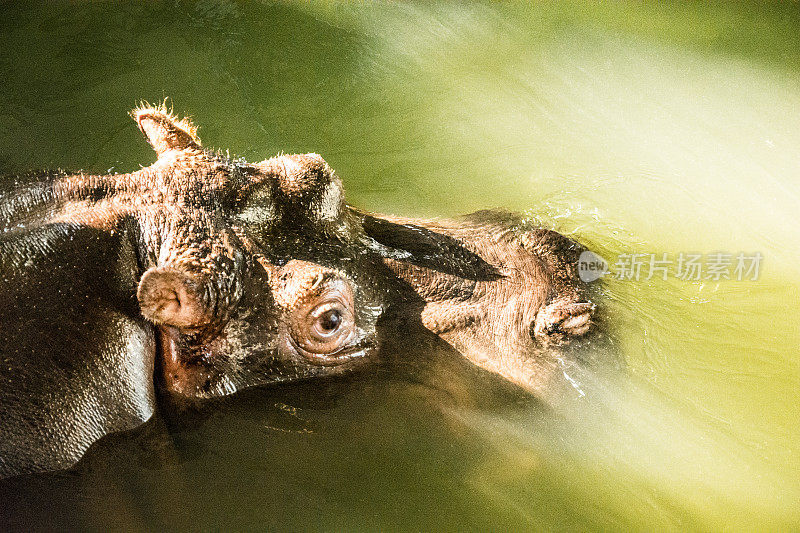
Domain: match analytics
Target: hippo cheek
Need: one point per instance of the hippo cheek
(176, 375)
(358, 351)
(184, 373)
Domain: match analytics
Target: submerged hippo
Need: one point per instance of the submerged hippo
(207, 274)
(106, 279)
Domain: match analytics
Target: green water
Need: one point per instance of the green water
(637, 129)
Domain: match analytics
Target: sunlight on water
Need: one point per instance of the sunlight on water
(636, 147)
(636, 130)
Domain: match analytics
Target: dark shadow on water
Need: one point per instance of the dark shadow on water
(319, 454)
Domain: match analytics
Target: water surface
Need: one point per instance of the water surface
(636, 129)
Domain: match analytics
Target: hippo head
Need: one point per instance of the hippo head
(503, 293)
(257, 274)
(268, 275)
(295, 321)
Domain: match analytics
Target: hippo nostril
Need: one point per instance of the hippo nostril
(571, 319)
(576, 324)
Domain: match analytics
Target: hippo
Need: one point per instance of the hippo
(108, 280)
(202, 275)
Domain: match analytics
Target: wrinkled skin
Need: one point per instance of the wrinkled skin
(216, 274)
(519, 302)
(110, 279)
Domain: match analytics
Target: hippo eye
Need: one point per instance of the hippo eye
(324, 324)
(329, 321)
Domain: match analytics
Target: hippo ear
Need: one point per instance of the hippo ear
(164, 131)
(173, 298)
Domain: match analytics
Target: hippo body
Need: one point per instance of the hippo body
(77, 354)
(202, 275)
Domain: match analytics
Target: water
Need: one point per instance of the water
(636, 129)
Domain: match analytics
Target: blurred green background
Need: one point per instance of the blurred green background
(635, 128)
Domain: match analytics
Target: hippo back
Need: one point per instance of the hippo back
(76, 360)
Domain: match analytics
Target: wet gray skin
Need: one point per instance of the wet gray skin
(216, 275)
(110, 279)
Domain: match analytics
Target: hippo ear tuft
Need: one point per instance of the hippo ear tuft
(165, 131)
(172, 298)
